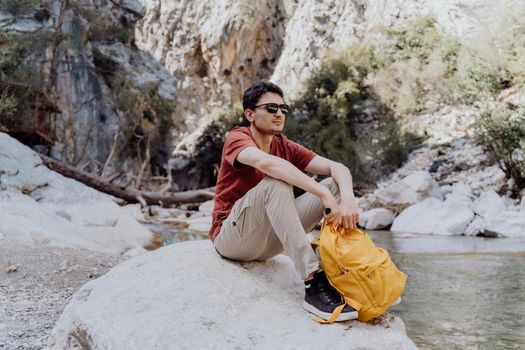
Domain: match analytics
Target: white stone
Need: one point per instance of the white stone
(444, 128)
(201, 224)
(462, 189)
(505, 224)
(377, 218)
(432, 216)
(489, 204)
(41, 206)
(411, 189)
(133, 5)
(134, 210)
(135, 252)
(207, 207)
(185, 296)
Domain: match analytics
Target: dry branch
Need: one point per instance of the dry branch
(129, 195)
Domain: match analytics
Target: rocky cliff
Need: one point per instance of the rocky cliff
(215, 49)
(136, 81)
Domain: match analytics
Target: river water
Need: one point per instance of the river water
(462, 292)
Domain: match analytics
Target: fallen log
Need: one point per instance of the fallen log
(129, 195)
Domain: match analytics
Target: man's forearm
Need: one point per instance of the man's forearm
(342, 176)
(283, 170)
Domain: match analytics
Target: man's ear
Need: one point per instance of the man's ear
(248, 113)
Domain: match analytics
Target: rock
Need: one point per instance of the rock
(201, 224)
(463, 189)
(489, 204)
(185, 296)
(207, 207)
(505, 224)
(41, 206)
(411, 189)
(432, 216)
(12, 269)
(452, 124)
(135, 211)
(134, 6)
(377, 218)
(135, 252)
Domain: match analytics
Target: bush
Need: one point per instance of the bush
(340, 118)
(20, 75)
(502, 133)
(8, 104)
(18, 7)
(208, 149)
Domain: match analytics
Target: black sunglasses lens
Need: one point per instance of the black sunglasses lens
(285, 109)
(272, 107)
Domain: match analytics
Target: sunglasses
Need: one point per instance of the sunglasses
(273, 107)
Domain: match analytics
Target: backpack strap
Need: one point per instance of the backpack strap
(337, 312)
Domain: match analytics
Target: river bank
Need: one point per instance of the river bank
(36, 283)
(462, 292)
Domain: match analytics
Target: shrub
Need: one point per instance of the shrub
(18, 7)
(208, 148)
(338, 117)
(8, 105)
(502, 133)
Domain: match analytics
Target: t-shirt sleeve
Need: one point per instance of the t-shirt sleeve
(235, 143)
(300, 156)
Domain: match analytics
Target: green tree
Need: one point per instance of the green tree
(502, 133)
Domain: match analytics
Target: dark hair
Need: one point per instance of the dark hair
(253, 93)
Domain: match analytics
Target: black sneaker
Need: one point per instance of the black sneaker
(321, 299)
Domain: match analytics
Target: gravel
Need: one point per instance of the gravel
(36, 284)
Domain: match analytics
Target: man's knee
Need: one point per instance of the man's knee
(277, 187)
(331, 185)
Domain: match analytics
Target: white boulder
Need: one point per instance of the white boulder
(200, 224)
(207, 207)
(411, 189)
(376, 218)
(506, 224)
(432, 216)
(185, 296)
(489, 204)
(41, 206)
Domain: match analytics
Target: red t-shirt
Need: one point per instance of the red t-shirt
(234, 181)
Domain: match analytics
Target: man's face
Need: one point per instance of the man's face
(264, 121)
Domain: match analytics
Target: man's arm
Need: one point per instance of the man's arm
(281, 169)
(348, 215)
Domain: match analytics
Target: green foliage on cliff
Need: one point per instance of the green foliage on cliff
(502, 133)
(21, 78)
(18, 7)
(209, 145)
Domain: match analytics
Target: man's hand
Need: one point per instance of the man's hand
(345, 214)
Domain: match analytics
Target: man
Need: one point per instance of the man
(256, 216)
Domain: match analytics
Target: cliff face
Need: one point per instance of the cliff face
(215, 49)
(124, 67)
(88, 68)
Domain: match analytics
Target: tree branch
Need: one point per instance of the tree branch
(131, 196)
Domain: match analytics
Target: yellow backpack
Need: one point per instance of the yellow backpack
(364, 274)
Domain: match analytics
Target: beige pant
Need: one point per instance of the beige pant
(268, 219)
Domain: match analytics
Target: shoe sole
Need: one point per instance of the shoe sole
(346, 316)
